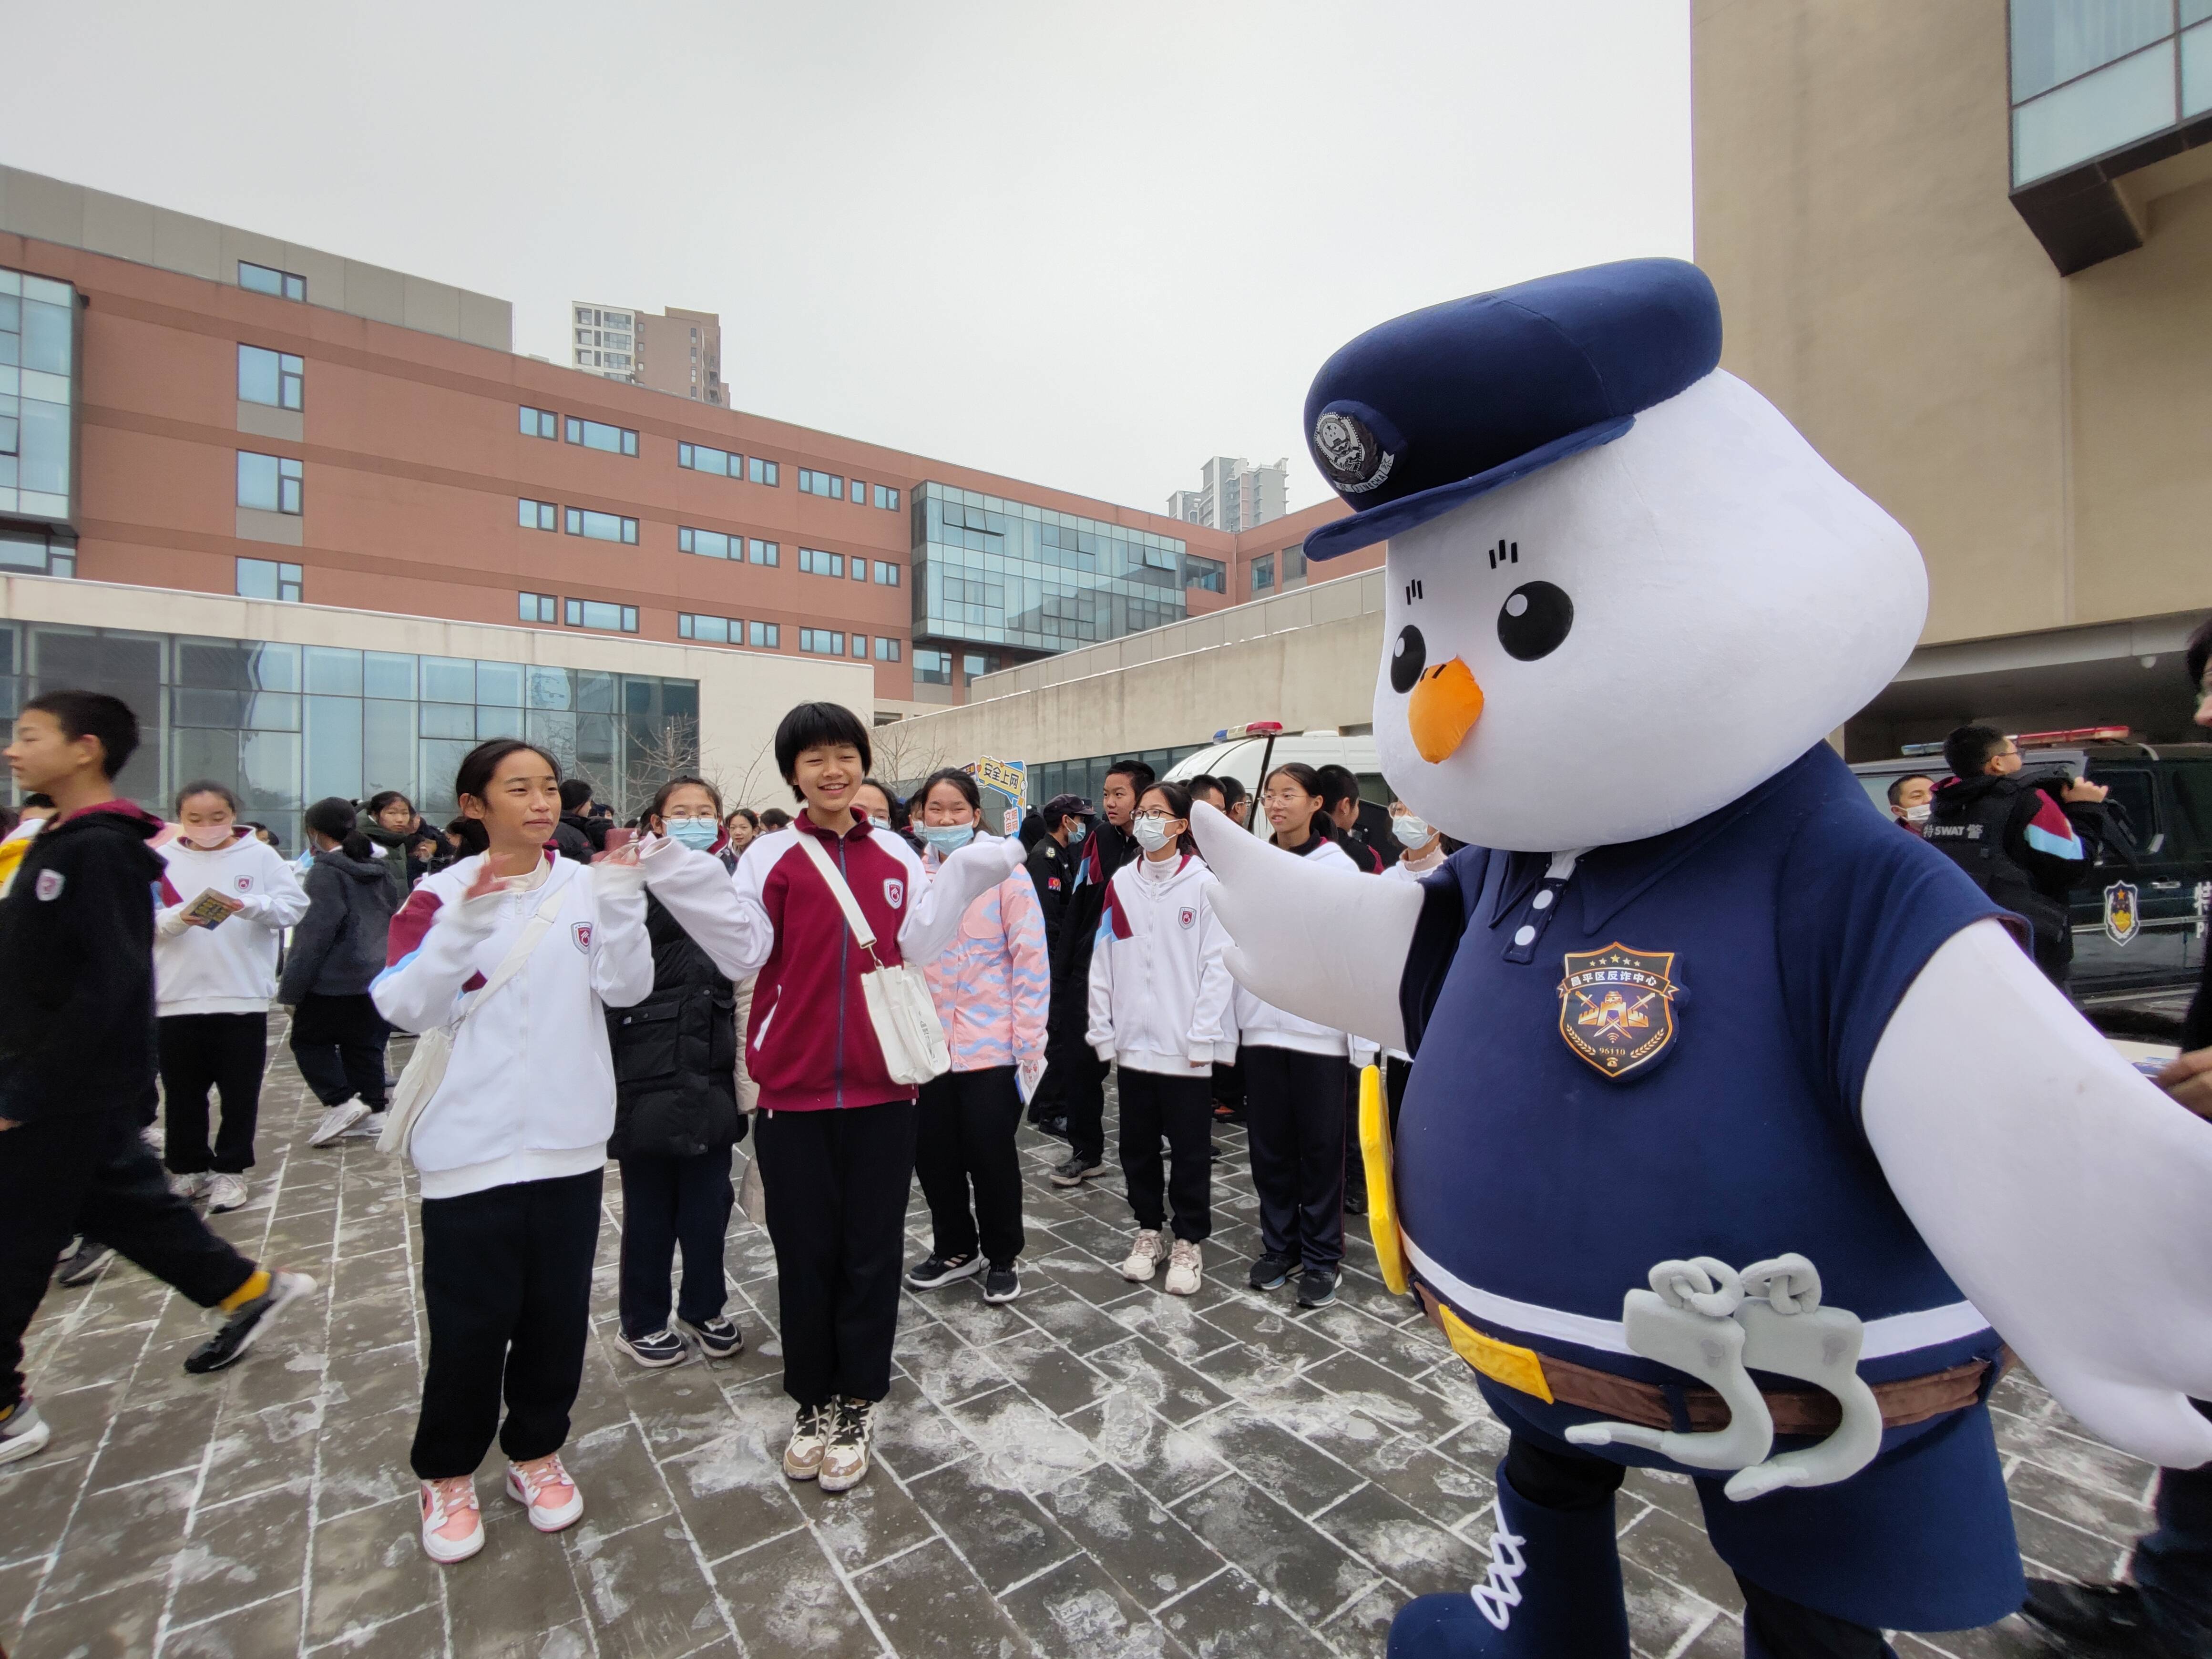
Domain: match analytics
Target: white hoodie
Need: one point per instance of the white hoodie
(1262, 1024)
(1159, 990)
(231, 967)
(529, 1094)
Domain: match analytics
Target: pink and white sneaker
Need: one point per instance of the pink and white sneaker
(546, 1491)
(452, 1524)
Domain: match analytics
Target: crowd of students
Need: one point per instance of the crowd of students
(651, 995)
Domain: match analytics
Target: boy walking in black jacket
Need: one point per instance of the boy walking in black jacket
(77, 1056)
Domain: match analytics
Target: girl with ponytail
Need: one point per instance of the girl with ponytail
(337, 1036)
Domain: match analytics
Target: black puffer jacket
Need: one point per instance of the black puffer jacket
(675, 1053)
(338, 947)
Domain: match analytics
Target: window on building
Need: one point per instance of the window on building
(932, 667)
(815, 562)
(266, 579)
(601, 526)
(276, 378)
(709, 543)
(271, 483)
(887, 498)
(821, 483)
(887, 574)
(860, 646)
(263, 279)
(761, 552)
(973, 663)
(597, 434)
(710, 630)
(887, 649)
(701, 458)
(859, 569)
(765, 636)
(762, 472)
(822, 641)
(536, 515)
(1294, 562)
(1210, 575)
(537, 608)
(1263, 574)
(539, 422)
(600, 615)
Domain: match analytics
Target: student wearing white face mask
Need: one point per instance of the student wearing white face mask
(225, 899)
(1160, 1009)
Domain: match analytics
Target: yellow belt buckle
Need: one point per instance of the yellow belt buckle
(1375, 1150)
(1501, 1362)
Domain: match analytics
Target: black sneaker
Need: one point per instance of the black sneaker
(1355, 1199)
(84, 1265)
(656, 1351)
(1271, 1272)
(1002, 1284)
(243, 1328)
(2102, 1618)
(1316, 1288)
(942, 1270)
(1077, 1170)
(717, 1338)
(1214, 1150)
(1054, 1126)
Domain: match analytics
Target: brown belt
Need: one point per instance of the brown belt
(1800, 1412)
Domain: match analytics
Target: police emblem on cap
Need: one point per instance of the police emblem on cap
(1617, 1006)
(1352, 452)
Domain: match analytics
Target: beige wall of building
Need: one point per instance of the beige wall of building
(2047, 439)
(1307, 657)
(741, 693)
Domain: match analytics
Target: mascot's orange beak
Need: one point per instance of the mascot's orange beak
(1445, 705)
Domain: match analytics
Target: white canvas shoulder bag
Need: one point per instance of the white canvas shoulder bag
(899, 1005)
(434, 1050)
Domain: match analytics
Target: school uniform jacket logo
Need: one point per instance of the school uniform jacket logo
(894, 891)
(49, 884)
(1188, 916)
(245, 884)
(581, 932)
(1617, 1006)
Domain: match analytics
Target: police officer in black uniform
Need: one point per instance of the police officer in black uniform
(1066, 820)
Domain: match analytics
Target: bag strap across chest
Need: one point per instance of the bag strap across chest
(863, 934)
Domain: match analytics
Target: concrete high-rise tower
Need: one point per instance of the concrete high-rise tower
(1234, 494)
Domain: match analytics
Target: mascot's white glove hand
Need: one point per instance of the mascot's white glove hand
(1327, 945)
(2065, 1194)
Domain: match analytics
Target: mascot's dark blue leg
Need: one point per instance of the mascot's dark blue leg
(1554, 1587)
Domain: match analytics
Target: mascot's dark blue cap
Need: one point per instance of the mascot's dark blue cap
(1433, 408)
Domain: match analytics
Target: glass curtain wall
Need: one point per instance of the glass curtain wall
(993, 571)
(2089, 76)
(287, 725)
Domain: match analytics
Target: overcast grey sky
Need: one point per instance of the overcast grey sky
(1088, 245)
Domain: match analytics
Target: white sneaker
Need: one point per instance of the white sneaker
(337, 1121)
(451, 1502)
(540, 1492)
(225, 1193)
(845, 1460)
(189, 1187)
(367, 1129)
(1184, 1265)
(1144, 1254)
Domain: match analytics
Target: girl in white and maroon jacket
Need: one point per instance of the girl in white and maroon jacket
(1297, 1081)
(213, 980)
(835, 1136)
(511, 1147)
(1160, 1008)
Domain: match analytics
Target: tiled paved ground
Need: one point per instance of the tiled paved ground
(1094, 1470)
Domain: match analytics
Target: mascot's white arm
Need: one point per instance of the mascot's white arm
(2069, 1197)
(1325, 945)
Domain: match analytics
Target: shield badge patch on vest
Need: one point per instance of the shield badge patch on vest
(2123, 916)
(1617, 1006)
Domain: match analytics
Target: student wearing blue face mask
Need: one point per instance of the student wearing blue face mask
(677, 1117)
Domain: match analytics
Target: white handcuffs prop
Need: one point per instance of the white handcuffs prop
(1702, 1317)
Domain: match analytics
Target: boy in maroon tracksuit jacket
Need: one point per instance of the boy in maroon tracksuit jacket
(835, 1134)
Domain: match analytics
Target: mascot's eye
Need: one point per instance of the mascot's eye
(1533, 621)
(1409, 659)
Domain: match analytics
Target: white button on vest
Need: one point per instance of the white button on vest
(1526, 936)
(1541, 902)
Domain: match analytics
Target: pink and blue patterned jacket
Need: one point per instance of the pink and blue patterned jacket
(994, 984)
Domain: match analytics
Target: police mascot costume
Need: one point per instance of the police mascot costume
(1743, 1136)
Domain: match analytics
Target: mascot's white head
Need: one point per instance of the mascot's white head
(1622, 589)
